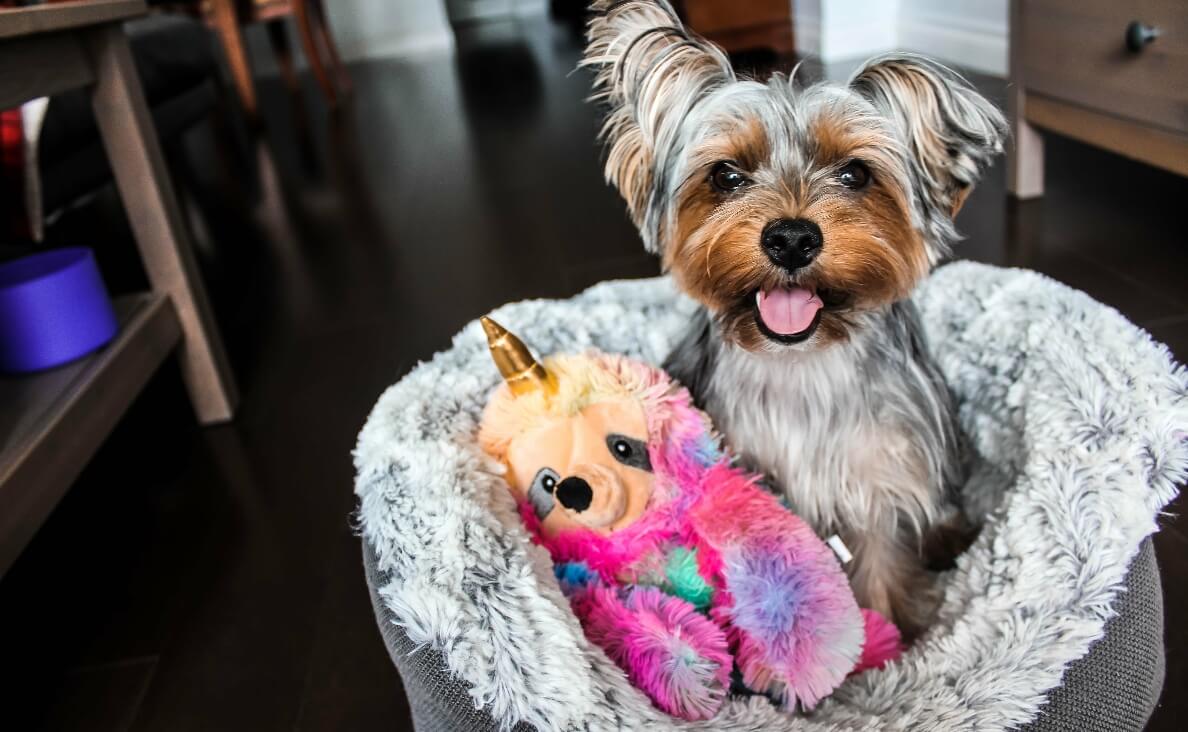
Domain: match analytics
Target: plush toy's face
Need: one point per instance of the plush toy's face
(587, 470)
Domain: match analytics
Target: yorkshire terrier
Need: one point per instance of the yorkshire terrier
(802, 219)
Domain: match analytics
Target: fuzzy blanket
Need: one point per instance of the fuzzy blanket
(1079, 420)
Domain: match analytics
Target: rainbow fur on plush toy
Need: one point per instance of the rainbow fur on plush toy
(678, 565)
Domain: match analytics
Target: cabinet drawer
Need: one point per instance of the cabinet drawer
(1075, 51)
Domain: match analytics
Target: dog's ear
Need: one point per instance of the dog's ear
(651, 71)
(950, 130)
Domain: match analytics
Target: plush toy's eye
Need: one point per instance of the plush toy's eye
(540, 494)
(548, 480)
(629, 451)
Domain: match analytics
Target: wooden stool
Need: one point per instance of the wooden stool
(52, 422)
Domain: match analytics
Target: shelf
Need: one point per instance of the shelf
(15, 22)
(52, 422)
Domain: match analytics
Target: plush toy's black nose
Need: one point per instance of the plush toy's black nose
(575, 494)
(792, 243)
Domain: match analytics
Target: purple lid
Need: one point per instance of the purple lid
(54, 308)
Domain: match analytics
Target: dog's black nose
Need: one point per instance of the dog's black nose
(792, 243)
(575, 494)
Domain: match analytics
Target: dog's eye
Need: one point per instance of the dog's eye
(726, 178)
(854, 175)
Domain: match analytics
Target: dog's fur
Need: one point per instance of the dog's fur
(854, 424)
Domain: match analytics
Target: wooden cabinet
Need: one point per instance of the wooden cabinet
(1111, 74)
(738, 26)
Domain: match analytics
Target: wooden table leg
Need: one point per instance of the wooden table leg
(1025, 155)
(223, 16)
(340, 72)
(1025, 161)
(305, 18)
(278, 35)
(161, 235)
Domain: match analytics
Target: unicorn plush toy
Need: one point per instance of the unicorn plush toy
(678, 564)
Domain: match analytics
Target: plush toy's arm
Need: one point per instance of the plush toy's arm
(793, 622)
(678, 657)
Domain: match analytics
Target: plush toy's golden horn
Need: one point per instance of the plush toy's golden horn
(520, 370)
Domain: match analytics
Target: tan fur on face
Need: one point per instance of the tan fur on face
(872, 253)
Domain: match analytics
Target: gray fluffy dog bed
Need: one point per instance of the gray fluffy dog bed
(1080, 423)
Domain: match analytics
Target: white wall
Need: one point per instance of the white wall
(970, 33)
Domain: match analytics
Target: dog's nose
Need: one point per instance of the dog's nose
(792, 243)
(575, 494)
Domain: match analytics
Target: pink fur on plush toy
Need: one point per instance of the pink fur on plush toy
(678, 564)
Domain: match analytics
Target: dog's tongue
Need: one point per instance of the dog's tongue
(788, 311)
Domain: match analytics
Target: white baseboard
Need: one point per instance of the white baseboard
(467, 11)
(980, 47)
(421, 44)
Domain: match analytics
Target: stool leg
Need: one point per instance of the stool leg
(226, 22)
(324, 32)
(142, 179)
(278, 36)
(309, 42)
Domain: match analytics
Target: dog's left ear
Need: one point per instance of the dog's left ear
(950, 130)
(651, 72)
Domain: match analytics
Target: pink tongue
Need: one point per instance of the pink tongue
(788, 311)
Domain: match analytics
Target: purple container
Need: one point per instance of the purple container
(53, 309)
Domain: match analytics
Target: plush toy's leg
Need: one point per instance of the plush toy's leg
(787, 648)
(678, 657)
(793, 622)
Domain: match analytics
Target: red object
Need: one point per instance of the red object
(14, 219)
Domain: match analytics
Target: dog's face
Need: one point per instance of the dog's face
(793, 211)
(785, 211)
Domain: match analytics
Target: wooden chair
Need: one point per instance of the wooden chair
(227, 18)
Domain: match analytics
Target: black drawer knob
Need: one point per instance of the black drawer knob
(1139, 34)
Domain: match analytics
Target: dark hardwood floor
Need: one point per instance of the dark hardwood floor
(209, 579)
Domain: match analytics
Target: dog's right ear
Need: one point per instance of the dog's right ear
(651, 71)
(951, 131)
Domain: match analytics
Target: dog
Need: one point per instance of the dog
(801, 219)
